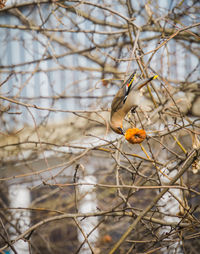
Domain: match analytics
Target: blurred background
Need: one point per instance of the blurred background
(67, 181)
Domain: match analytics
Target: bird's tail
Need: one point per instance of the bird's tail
(143, 82)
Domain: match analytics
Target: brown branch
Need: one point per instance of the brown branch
(48, 109)
(182, 169)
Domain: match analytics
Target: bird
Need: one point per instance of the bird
(126, 99)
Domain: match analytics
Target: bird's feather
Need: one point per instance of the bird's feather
(118, 102)
(122, 94)
(129, 84)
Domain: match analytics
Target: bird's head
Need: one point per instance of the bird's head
(117, 127)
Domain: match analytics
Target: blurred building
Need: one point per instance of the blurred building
(44, 66)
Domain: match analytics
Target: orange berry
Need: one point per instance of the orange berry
(107, 238)
(135, 135)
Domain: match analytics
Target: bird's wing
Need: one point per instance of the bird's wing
(122, 94)
(117, 102)
(128, 84)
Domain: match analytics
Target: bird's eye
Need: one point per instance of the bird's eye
(121, 130)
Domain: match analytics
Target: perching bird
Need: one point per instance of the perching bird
(127, 98)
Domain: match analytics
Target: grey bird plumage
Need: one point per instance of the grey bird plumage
(127, 98)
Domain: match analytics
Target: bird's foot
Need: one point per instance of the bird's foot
(133, 110)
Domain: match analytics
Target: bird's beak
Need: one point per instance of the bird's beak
(121, 130)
